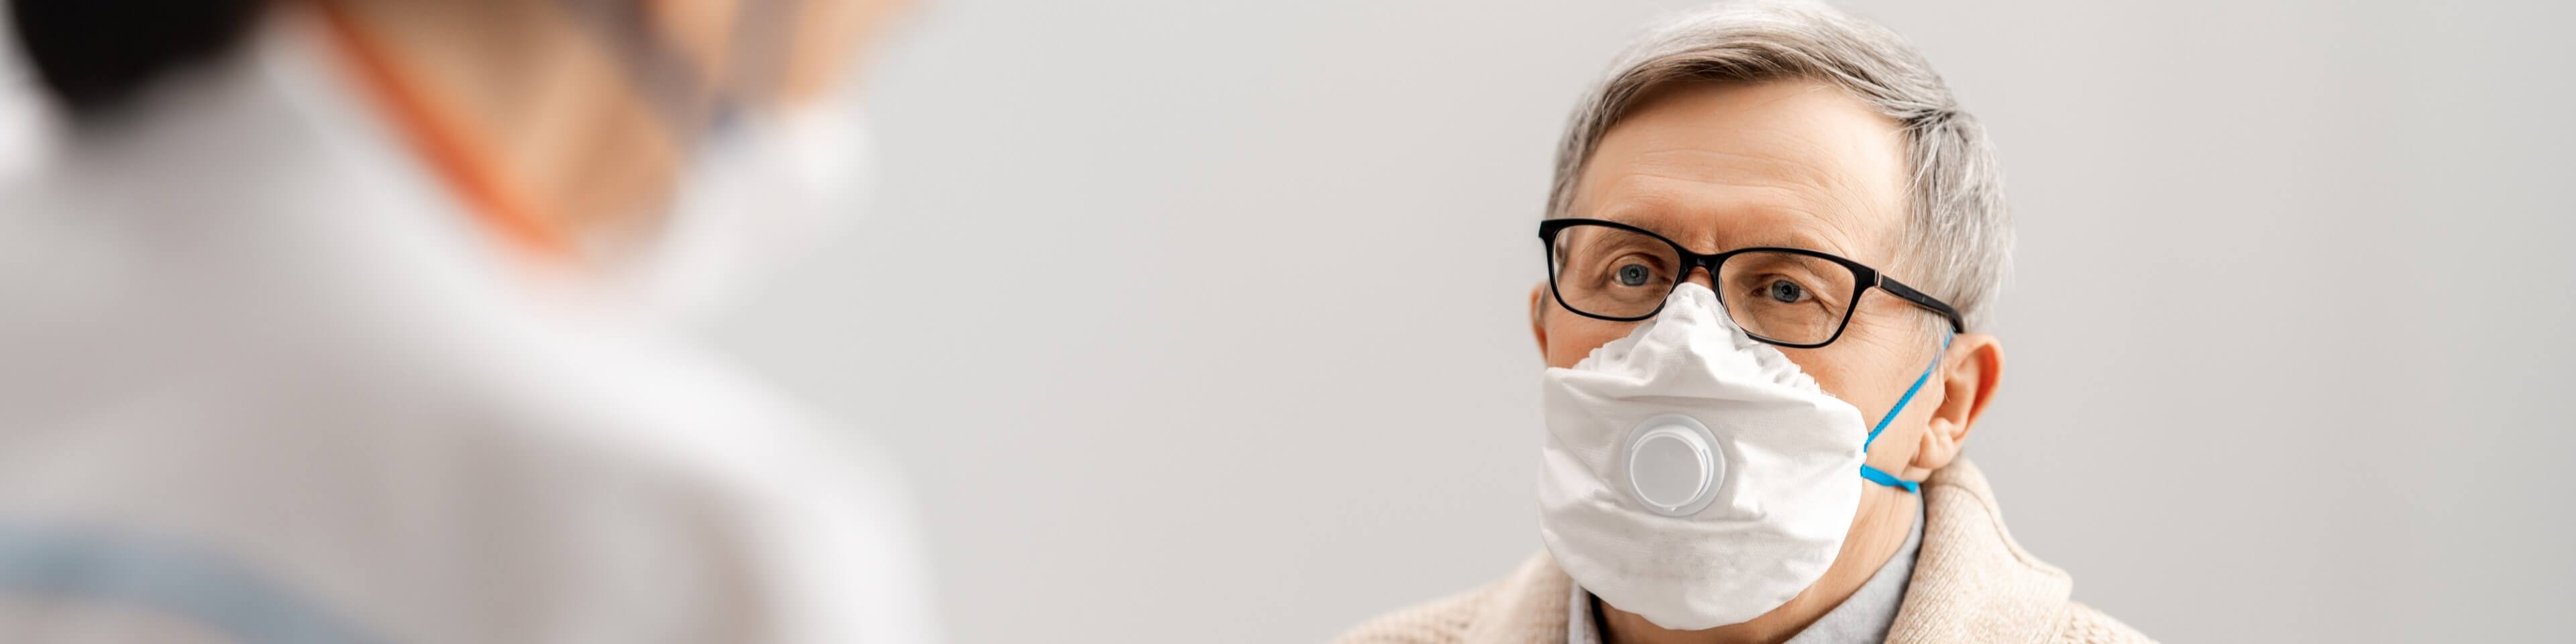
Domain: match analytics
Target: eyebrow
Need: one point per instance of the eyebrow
(1600, 241)
(1799, 238)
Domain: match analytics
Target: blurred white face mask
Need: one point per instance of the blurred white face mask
(1693, 475)
(763, 190)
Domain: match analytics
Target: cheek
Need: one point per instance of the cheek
(1824, 365)
(1867, 376)
(1877, 356)
(1571, 338)
(1855, 372)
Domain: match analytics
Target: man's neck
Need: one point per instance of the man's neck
(1886, 516)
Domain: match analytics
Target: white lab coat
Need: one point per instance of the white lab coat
(262, 379)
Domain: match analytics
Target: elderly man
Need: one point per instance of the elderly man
(1773, 244)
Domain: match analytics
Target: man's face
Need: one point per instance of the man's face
(1718, 167)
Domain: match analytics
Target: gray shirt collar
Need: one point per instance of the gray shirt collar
(1862, 619)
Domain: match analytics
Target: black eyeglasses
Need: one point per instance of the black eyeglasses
(1790, 297)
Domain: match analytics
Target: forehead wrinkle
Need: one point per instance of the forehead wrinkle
(1754, 209)
(1797, 144)
(1836, 197)
(1796, 151)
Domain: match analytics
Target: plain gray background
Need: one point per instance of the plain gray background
(1205, 321)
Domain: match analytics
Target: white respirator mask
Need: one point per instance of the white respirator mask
(1695, 476)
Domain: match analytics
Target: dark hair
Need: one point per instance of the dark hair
(94, 56)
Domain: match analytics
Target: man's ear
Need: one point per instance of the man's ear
(1969, 373)
(1538, 317)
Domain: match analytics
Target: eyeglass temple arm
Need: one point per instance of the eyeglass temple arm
(1907, 293)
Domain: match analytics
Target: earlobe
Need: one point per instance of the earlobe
(1970, 373)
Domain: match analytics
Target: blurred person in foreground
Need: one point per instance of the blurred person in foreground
(1773, 245)
(363, 321)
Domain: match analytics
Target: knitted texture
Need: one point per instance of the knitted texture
(2087, 626)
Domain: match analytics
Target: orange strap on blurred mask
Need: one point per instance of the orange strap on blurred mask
(462, 158)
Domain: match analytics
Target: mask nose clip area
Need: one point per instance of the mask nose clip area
(1673, 465)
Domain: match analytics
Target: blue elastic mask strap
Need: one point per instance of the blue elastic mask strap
(1874, 474)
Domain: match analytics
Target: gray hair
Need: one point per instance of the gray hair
(1958, 234)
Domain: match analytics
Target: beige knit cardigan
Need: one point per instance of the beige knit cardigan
(1971, 583)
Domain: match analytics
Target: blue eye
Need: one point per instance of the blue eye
(1634, 275)
(1785, 291)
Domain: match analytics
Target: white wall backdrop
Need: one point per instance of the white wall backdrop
(1204, 321)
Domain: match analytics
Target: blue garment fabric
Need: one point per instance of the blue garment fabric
(105, 567)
